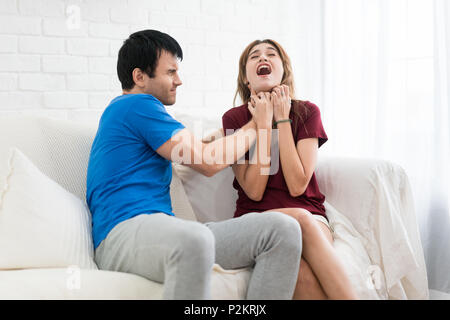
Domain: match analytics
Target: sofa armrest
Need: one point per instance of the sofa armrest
(376, 197)
(350, 186)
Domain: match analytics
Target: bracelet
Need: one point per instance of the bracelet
(284, 120)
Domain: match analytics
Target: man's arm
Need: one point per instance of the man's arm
(208, 158)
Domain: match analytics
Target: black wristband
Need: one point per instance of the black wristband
(284, 120)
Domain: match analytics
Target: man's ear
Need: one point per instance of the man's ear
(138, 77)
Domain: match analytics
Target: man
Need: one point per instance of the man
(128, 182)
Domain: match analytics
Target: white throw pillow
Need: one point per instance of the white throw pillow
(180, 202)
(212, 199)
(41, 224)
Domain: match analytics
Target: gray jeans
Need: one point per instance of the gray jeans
(181, 253)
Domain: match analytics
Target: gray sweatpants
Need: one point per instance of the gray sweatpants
(181, 253)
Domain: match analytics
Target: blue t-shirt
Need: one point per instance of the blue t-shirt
(126, 176)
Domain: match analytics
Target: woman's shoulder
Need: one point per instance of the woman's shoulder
(306, 103)
(236, 117)
(237, 112)
(306, 107)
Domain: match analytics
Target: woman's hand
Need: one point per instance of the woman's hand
(281, 102)
(261, 108)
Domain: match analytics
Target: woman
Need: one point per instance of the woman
(265, 81)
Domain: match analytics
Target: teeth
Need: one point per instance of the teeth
(261, 67)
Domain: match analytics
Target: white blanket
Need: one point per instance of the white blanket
(376, 197)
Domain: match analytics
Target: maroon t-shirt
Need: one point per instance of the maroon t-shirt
(277, 194)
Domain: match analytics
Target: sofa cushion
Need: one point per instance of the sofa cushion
(59, 148)
(212, 198)
(73, 284)
(86, 284)
(41, 223)
(181, 206)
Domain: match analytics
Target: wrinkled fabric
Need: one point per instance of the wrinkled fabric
(382, 211)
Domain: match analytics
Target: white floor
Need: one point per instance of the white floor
(438, 295)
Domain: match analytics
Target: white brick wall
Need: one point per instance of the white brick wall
(54, 64)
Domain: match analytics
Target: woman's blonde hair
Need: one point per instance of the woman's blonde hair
(242, 85)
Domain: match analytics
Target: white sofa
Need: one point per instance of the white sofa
(369, 205)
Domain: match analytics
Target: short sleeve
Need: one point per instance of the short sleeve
(312, 127)
(233, 120)
(230, 125)
(150, 120)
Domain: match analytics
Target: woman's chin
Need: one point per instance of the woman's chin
(265, 88)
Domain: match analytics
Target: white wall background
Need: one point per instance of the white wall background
(58, 57)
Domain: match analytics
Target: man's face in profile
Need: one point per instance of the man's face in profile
(163, 86)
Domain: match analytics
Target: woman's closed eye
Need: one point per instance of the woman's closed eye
(269, 55)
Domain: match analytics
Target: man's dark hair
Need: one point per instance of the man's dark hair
(142, 50)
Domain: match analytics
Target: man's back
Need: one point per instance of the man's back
(126, 176)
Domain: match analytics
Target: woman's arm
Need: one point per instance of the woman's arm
(297, 162)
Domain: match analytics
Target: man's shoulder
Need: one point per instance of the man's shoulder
(141, 98)
(137, 105)
(135, 99)
(130, 109)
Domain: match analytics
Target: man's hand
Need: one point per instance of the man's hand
(281, 102)
(261, 108)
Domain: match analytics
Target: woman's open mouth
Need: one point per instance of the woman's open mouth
(263, 69)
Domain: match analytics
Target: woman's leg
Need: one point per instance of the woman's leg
(308, 286)
(321, 257)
